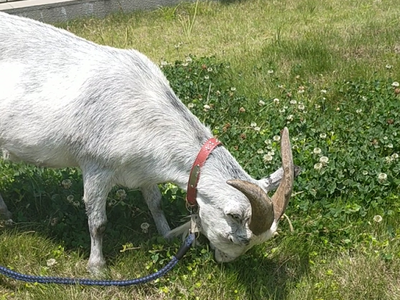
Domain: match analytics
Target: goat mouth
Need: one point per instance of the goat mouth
(238, 240)
(222, 257)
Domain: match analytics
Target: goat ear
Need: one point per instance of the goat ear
(271, 182)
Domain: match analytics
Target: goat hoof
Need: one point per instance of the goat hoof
(5, 215)
(97, 270)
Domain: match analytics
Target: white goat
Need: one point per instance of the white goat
(65, 101)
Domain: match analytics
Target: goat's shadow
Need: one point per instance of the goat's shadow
(269, 278)
(261, 277)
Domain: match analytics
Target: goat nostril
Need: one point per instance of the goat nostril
(231, 239)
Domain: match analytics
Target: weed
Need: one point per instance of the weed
(188, 21)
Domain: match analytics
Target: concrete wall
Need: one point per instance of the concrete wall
(54, 11)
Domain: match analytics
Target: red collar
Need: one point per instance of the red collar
(194, 176)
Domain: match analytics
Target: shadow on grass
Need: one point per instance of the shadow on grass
(270, 278)
(231, 1)
(65, 224)
(53, 217)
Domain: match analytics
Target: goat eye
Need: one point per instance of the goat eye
(235, 217)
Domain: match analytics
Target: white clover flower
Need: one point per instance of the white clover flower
(301, 106)
(206, 77)
(121, 194)
(390, 145)
(317, 150)
(188, 59)
(363, 98)
(185, 64)
(267, 142)
(190, 105)
(112, 202)
(233, 89)
(293, 102)
(145, 227)
(337, 108)
(267, 158)
(271, 152)
(260, 151)
(322, 135)
(324, 160)
(276, 138)
(261, 103)
(253, 124)
(276, 100)
(257, 128)
(54, 221)
(395, 156)
(378, 218)
(66, 183)
(70, 198)
(323, 91)
(359, 111)
(365, 173)
(270, 71)
(289, 118)
(209, 69)
(51, 262)
(282, 110)
(388, 66)
(382, 177)
(206, 107)
(317, 106)
(318, 166)
(395, 84)
(388, 159)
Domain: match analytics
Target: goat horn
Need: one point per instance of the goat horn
(282, 195)
(262, 211)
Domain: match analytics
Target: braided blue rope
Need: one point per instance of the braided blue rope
(94, 282)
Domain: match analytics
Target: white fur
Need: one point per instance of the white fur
(65, 101)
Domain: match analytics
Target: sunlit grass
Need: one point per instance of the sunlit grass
(323, 40)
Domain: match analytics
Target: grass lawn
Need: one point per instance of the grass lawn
(329, 71)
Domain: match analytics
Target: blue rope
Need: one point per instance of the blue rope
(82, 281)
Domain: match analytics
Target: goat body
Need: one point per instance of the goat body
(67, 102)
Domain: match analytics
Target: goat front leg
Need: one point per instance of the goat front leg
(4, 212)
(97, 185)
(152, 196)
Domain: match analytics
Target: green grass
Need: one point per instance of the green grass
(331, 65)
(307, 38)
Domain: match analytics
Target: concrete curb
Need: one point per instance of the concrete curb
(55, 11)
